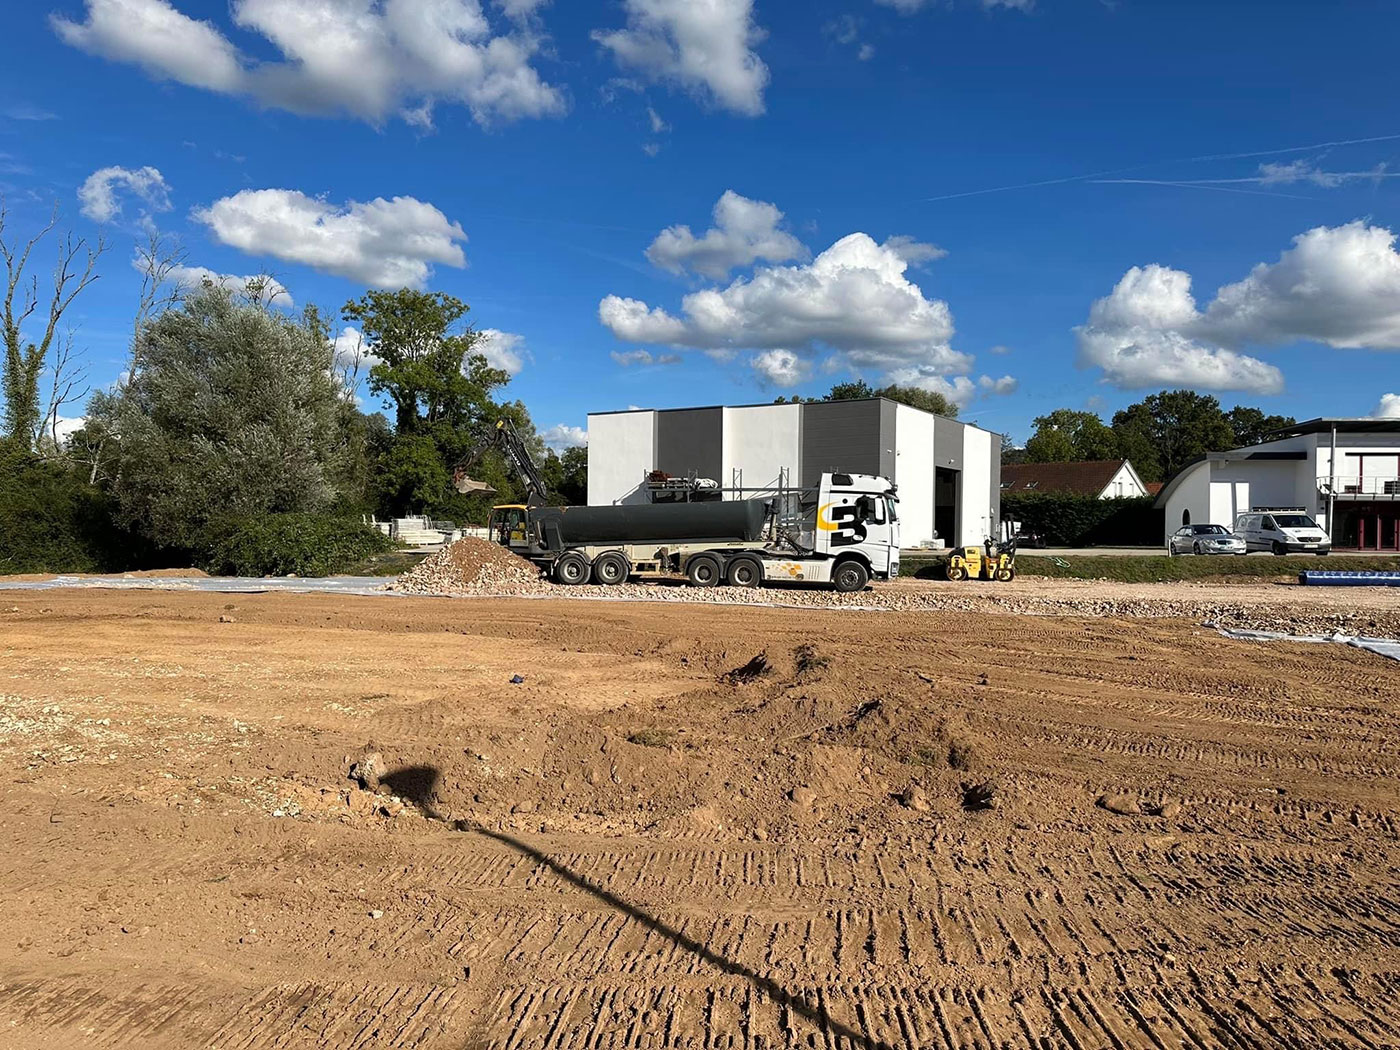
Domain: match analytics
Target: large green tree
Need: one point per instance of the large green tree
(1252, 425)
(1066, 435)
(439, 389)
(1164, 432)
(232, 411)
(858, 389)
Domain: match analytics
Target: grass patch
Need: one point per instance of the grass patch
(651, 737)
(1158, 568)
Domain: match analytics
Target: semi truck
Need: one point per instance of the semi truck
(843, 535)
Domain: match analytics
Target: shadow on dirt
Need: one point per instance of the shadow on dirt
(415, 784)
(424, 780)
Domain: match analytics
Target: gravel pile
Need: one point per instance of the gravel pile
(472, 567)
(478, 568)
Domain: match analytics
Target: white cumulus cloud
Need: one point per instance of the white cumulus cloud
(853, 299)
(385, 243)
(369, 58)
(1339, 286)
(745, 231)
(562, 436)
(1388, 408)
(503, 350)
(781, 368)
(99, 195)
(913, 251)
(704, 46)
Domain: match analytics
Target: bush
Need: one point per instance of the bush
(287, 544)
(1069, 520)
(52, 520)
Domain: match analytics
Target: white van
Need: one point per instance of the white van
(1282, 532)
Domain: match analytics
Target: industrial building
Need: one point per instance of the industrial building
(948, 473)
(1344, 473)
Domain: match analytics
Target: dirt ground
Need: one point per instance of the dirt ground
(910, 829)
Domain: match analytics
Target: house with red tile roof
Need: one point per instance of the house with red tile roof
(1104, 479)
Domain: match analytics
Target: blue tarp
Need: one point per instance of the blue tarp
(1349, 578)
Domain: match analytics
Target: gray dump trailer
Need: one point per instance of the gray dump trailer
(737, 521)
(850, 536)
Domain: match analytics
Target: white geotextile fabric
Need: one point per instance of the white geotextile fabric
(1383, 646)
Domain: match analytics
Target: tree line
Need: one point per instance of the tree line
(229, 411)
(1160, 434)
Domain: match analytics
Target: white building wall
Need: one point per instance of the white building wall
(760, 441)
(1191, 494)
(975, 498)
(1123, 485)
(914, 464)
(621, 449)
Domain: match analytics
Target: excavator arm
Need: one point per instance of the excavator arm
(506, 440)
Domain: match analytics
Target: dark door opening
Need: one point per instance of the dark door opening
(1368, 526)
(945, 505)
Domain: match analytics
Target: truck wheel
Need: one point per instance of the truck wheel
(744, 572)
(610, 568)
(1006, 574)
(703, 571)
(572, 569)
(1279, 549)
(850, 576)
(956, 573)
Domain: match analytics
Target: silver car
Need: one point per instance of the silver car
(1205, 539)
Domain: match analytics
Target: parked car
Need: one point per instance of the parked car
(1282, 532)
(1205, 539)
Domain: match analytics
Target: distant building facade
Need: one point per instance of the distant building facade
(948, 472)
(1344, 473)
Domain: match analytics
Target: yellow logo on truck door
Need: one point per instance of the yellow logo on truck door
(844, 521)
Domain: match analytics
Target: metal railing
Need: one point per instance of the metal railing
(1378, 487)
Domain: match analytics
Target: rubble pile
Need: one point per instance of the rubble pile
(472, 567)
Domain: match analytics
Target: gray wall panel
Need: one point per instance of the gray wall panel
(691, 440)
(947, 443)
(996, 478)
(842, 435)
(887, 439)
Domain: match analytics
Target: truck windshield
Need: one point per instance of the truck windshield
(892, 508)
(1294, 521)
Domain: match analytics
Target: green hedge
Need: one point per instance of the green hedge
(53, 521)
(289, 544)
(1068, 520)
(1158, 568)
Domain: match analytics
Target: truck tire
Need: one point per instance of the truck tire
(1279, 549)
(850, 576)
(956, 573)
(704, 570)
(744, 572)
(610, 568)
(572, 569)
(1006, 574)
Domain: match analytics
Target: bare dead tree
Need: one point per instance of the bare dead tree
(68, 385)
(157, 260)
(25, 359)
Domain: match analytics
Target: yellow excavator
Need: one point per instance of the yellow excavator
(991, 561)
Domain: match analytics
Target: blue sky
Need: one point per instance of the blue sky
(933, 192)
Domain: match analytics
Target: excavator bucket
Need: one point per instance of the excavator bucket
(469, 486)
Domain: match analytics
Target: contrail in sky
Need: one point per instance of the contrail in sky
(1204, 184)
(1098, 175)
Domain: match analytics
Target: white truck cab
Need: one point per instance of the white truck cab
(857, 516)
